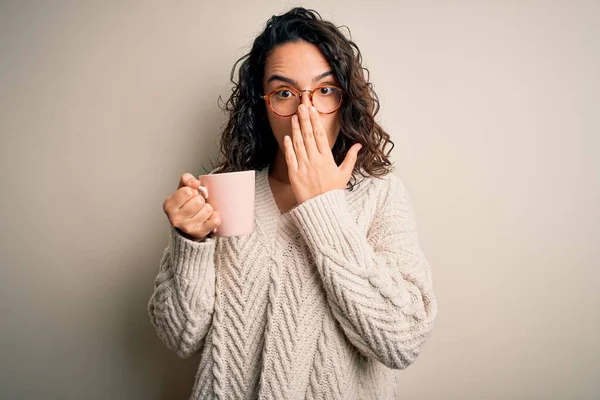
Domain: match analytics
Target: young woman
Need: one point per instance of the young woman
(331, 293)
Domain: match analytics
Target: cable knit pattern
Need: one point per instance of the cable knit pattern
(326, 301)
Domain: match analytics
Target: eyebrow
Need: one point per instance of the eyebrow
(317, 78)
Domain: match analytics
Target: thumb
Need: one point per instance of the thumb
(349, 162)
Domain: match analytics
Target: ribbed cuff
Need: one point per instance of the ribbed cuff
(322, 218)
(189, 258)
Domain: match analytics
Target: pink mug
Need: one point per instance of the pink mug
(231, 194)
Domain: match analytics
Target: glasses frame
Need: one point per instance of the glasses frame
(267, 97)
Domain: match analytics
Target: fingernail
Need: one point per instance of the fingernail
(313, 109)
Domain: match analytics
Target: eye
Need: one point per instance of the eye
(284, 94)
(326, 91)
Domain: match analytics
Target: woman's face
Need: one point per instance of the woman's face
(299, 65)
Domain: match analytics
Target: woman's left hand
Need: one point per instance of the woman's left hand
(311, 167)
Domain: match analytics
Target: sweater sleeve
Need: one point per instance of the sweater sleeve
(378, 285)
(182, 303)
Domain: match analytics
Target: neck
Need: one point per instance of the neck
(279, 170)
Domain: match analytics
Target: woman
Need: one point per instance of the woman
(331, 293)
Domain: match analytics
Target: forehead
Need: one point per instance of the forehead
(300, 61)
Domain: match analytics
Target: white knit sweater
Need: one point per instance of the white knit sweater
(325, 301)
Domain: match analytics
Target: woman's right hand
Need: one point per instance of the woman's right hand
(188, 211)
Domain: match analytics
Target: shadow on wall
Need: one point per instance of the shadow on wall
(160, 372)
(154, 371)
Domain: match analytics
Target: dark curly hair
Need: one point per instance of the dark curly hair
(247, 141)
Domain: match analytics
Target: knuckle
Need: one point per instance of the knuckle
(185, 226)
(183, 179)
(175, 221)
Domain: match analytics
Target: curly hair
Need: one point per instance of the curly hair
(247, 141)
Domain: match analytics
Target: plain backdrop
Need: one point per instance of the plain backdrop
(494, 107)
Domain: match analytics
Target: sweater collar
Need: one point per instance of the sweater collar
(273, 224)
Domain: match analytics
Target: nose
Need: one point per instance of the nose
(305, 98)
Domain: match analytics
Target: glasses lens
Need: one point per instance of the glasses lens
(327, 99)
(284, 102)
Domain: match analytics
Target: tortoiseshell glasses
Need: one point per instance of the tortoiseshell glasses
(284, 101)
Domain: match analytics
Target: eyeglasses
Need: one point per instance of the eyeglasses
(285, 101)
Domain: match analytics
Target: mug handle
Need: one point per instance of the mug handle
(203, 191)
